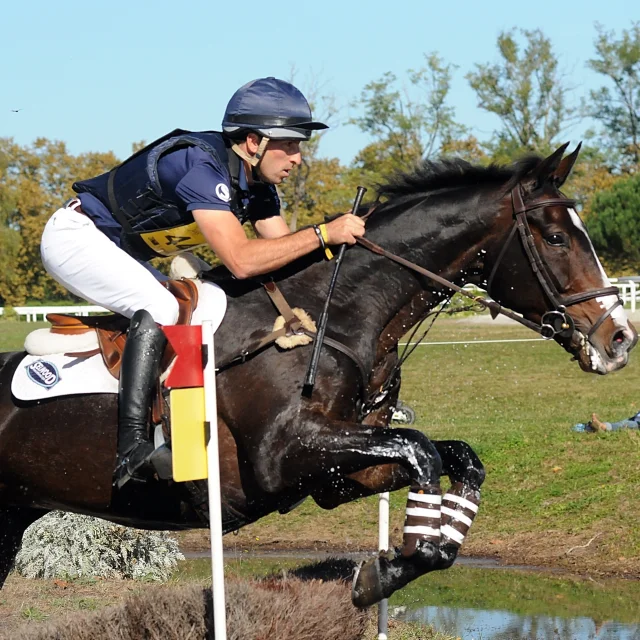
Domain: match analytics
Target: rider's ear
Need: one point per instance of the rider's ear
(564, 168)
(543, 170)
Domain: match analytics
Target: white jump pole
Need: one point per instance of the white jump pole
(383, 545)
(213, 465)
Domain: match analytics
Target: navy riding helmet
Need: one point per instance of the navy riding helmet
(273, 108)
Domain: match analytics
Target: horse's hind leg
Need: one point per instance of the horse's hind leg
(13, 523)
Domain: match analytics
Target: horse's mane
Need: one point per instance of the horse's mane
(453, 174)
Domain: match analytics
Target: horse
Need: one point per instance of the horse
(507, 229)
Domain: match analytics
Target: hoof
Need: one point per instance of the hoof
(367, 586)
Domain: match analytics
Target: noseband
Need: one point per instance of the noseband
(555, 322)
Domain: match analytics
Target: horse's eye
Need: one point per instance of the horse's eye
(556, 240)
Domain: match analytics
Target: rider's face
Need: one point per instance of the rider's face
(279, 158)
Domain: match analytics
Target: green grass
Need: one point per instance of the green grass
(525, 594)
(33, 614)
(515, 404)
(13, 333)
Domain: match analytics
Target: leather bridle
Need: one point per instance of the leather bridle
(555, 322)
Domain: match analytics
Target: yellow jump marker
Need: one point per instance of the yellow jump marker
(188, 438)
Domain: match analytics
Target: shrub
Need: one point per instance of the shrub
(9, 313)
(67, 545)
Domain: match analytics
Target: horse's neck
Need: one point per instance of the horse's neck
(377, 301)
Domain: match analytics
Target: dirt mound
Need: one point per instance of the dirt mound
(287, 608)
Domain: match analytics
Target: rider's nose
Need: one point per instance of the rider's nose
(296, 159)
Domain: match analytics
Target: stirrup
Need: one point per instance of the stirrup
(156, 461)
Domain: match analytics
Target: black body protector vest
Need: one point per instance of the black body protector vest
(153, 225)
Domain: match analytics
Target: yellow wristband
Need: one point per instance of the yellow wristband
(325, 237)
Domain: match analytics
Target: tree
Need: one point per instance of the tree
(467, 148)
(527, 92)
(9, 236)
(37, 179)
(617, 107)
(406, 125)
(614, 223)
(590, 175)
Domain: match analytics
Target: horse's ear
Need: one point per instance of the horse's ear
(564, 168)
(544, 169)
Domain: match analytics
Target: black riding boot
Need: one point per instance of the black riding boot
(138, 375)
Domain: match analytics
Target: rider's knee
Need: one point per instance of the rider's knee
(165, 313)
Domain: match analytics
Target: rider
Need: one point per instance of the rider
(184, 190)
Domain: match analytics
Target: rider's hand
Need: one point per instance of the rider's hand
(345, 229)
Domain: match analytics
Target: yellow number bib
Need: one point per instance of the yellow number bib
(167, 242)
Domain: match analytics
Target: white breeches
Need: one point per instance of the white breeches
(87, 263)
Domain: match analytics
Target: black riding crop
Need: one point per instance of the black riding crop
(310, 378)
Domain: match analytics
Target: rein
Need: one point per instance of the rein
(554, 322)
(493, 306)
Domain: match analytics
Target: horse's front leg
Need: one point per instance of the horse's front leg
(460, 503)
(381, 576)
(368, 482)
(324, 451)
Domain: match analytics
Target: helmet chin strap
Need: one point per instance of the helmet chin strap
(254, 161)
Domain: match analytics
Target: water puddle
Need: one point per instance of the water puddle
(476, 604)
(479, 624)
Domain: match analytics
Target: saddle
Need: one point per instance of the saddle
(111, 330)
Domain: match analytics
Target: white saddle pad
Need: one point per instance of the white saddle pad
(41, 376)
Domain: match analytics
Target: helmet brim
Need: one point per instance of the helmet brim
(300, 132)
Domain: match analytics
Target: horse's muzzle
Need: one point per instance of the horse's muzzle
(603, 355)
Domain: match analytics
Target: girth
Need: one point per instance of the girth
(292, 326)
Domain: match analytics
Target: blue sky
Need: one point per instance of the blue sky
(102, 75)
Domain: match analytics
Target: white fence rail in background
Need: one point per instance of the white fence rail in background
(629, 292)
(33, 314)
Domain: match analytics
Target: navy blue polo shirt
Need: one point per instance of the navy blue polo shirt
(192, 179)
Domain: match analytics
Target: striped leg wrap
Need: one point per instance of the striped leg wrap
(422, 521)
(459, 508)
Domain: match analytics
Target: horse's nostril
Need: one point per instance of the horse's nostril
(621, 342)
(619, 337)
